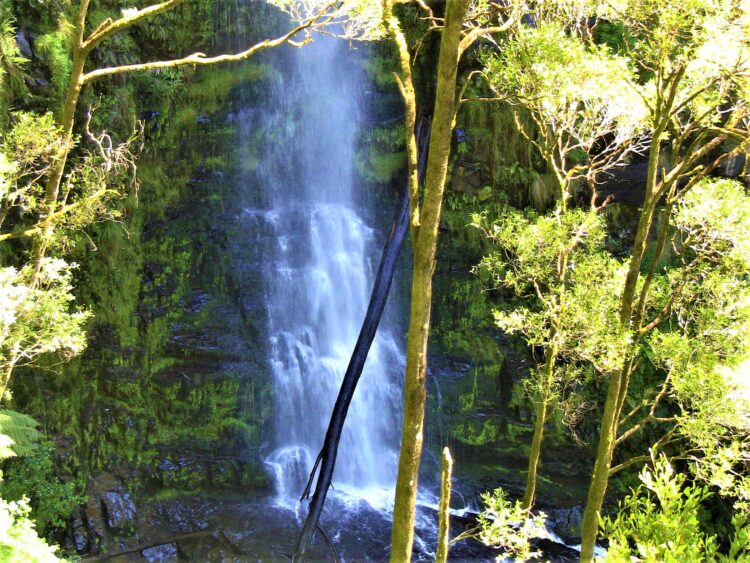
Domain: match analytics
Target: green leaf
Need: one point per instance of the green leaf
(18, 433)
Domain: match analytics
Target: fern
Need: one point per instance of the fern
(11, 66)
(18, 433)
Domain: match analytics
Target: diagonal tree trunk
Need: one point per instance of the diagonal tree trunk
(327, 456)
(383, 279)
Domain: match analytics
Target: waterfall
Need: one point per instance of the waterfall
(319, 256)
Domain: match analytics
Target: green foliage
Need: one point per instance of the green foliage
(94, 180)
(565, 284)
(34, 142)
(33, 476)
(576, 93)
(713, 218)
(509, 526)
(381, 156)
(615, 36)
(11, 65)
(557, 73)
(18, 434)
(705, 347)
(54, 49)
(380, 167)
(36, 316)
(19, 542)
(705, 37)
(659, 522)
(28, 149)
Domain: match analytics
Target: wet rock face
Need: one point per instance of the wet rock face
(109, 511)
(568, 523)
(95, 525)
(79, 534)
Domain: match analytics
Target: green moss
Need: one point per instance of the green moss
(380, 167)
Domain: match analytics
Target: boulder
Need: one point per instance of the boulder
(78, 532)
(166, 552)
(119, 508)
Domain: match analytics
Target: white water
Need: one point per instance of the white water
(319, 264)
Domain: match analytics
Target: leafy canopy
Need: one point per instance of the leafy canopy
(579, 314)
(658, 522)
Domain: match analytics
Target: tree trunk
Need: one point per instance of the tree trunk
(618, 381)
(406, 86)
(541, 417)
(444, 513)
(535, 453)
(67, 120)
(425, 247)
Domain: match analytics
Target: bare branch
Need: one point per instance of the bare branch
(109, 27)
(624, 465)
(478, 32)
(201, 59)
(664, 312)
(651, 417)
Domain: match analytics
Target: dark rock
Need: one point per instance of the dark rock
(460, 135)
(166, 552)
(120, 509)
(553, 551)
(196, 301)
(80, 537)
(94, 518)
(626, 185)
(568, 523)
(528, 20)
(182, 517)
(733, 166)
(104, 481)
(466, 180)
(24, 46)
(148, 114)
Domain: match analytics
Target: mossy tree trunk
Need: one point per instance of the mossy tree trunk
(542, 407)
(618, 381)
(425, 245)
(444, 512)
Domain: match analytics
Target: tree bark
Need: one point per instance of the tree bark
(406, 86)
(67, 119)
(425, 246)
(535, 452)
(444, 513)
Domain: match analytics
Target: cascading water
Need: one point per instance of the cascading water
(318, 271)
